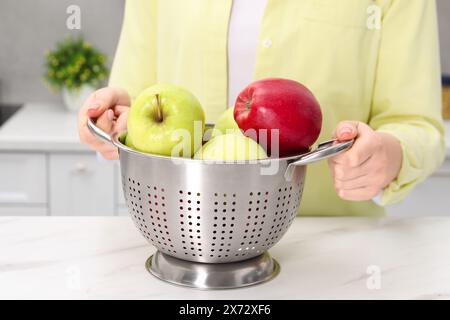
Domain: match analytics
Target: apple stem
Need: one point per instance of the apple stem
(247, 104)
(158, 108)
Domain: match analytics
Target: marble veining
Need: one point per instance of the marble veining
(324, 258)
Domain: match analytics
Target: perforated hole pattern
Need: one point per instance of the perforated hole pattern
(213, 226)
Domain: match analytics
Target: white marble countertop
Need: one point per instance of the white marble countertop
(41, 127)
(46, 127)
(89, 258)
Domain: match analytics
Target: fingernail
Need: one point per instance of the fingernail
(345, 131)
(110, 115)
(92, 113)
(94, 107)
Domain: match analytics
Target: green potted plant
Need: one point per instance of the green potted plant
(75, 69)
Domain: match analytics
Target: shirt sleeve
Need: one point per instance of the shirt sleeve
(134, 66)
(407, 92)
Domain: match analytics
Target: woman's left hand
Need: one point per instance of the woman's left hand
(371, 164)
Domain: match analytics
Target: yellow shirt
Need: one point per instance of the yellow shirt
(384, 72)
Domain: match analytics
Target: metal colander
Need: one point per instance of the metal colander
(213, 213)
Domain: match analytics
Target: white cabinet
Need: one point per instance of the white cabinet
(120, 200)
(48, 171)
(77, 183)
(18, 210)
(23, 178)
(432, 197)
(122, 211)
(81, 185)
(23, 184)
(72, 183)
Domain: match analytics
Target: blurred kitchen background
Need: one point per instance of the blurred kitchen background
(43, 168)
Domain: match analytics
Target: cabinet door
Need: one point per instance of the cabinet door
(429, 198)
(120, 200)
(34, 210)
(122, 210)
(121, 207)
(81, 185)
(23, 178)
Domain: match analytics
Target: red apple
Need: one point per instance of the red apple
(280, 104)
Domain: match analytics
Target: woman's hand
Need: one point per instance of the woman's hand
(372, 163)
(110, 107)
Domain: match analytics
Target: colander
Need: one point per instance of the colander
(212, 218)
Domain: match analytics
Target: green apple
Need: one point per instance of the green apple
(128, 142)
(166, 120)
(225, 123)
(231, 146)
(125, 139)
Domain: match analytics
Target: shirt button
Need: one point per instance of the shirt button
(267, 43)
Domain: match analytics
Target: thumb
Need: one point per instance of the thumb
(346, 130)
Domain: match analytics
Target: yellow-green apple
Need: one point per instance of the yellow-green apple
(283, 105)
(162, 118)
(128, 142)
(231, 146)
(225, 123)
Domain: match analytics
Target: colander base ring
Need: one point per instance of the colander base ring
(213, 276)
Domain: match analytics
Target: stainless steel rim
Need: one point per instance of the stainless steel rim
(324, 150)
(250, 272)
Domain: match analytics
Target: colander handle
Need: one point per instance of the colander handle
(325, 150)
(96, 131)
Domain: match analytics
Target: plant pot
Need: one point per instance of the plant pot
(74, 98)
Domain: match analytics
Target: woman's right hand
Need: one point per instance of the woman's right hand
(109, 106)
